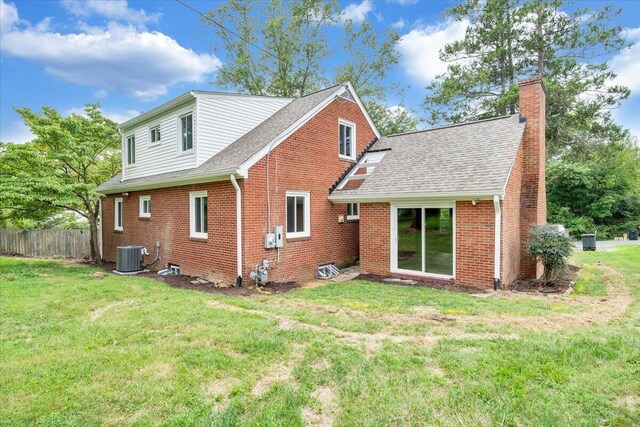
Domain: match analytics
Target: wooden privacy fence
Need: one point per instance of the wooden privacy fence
(48, 242)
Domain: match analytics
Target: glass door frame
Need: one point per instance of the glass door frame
(393, 254)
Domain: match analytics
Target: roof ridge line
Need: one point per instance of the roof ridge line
(453, 125)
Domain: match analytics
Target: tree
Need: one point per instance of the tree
(60, 169)
(284, 53)
(391, 120)
(510, 39)
(550, 246)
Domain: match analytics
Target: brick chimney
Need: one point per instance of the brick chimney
(533, 197)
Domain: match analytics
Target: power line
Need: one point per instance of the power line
(261, 49)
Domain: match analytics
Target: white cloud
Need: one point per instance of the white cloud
(8, 17)
(118, 10)
(118, 117)
(626, 64)
(356, 12)
(420, 48)
(118, 58)
(399, 24)
(404, 2)
(18, 133)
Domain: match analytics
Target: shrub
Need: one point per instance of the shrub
(550, 246)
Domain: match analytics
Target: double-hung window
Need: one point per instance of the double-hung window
(155, 135)
(198, 214)
(145, 206)
(347, 142)
(353, 211)
(186, 131)
(131, 149)
(298, 214)
(117, 214)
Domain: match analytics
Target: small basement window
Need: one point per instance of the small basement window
(198, 214)
(353, 211)
(155, 134)
(298, 214)
(145, 206)
(118, 214)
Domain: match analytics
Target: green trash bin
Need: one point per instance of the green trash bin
(588, 242)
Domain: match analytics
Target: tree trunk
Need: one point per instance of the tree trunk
(93, 239)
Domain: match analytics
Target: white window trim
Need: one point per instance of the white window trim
(151, 128)
(192, 214)
(393, 258)
(353, 217)
(126, 144)
(307, 214)
(142, 213)
(191, 150)
(353, 139)
(117, 227)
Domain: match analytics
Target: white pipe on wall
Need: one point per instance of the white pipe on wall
(238, 225)
(496, 255)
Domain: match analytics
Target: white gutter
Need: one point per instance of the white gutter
(238, 228)
(366, 198)
(496, 255)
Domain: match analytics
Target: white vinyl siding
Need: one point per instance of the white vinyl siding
(298, 214)
(347, 139)
(224, 118)
(131, 149)
(145, 206)
(118, 214)
(198, 212)
(353, 211)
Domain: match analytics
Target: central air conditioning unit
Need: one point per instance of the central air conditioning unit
(129, 258)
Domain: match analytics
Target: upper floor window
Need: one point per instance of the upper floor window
(353, 211)
(298, 214)
(186, 131)
(155, 134)
(198, 214)
(131, 149)
(117, 217)
(347, 144)
(145, 206)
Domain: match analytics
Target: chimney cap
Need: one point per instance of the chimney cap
(533, 80)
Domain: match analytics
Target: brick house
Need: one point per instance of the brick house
(225, 182)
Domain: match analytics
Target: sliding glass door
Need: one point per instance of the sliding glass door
(425, 240)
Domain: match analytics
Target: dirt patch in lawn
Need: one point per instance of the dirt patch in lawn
(101, 311)
(444, 286)
(559, 285)
(324, 411)
(279, 373)
(198, 284)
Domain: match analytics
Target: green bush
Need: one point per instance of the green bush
(550, 246)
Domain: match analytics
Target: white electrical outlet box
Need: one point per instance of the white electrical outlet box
(340, 219)
(279, 233)
(269, 240)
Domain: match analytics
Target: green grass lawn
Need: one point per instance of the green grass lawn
(79, 350)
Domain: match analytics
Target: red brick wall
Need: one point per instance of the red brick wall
(510, 251)
(475, 243)
(533, 195)
(306, 161)
(374, 238)
(169, 223)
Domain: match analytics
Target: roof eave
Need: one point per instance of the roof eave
(398, 197)
(147, 115)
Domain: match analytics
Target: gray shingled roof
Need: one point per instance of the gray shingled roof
(471, 158)
(235, 154)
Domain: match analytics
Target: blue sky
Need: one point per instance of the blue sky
(132, 56)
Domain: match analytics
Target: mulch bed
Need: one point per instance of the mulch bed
(444, 286)
(184, 282)
(558, 285)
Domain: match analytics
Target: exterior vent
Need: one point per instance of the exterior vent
(129, 258)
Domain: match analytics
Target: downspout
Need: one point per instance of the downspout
(100, 227)
(496, 255)
(238, 228)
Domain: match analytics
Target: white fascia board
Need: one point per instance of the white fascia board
(364, 110)
(462, 195)
(173, 182)
(160, 109)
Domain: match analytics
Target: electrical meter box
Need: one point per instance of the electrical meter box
(279, 233)
(269, 241)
